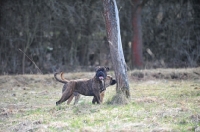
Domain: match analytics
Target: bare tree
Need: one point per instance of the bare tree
(117, 55)
(137, 57)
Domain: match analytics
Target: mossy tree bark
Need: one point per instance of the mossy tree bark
(114, 39)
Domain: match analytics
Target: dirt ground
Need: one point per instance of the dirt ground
(23, 94)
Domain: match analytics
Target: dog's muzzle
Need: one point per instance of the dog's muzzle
(101, 75)
(101, 78)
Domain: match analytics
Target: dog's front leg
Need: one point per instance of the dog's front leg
(96, 99)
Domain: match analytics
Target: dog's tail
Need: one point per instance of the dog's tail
(59, 80)
(62, 76)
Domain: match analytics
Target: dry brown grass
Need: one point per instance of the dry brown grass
(159, 102)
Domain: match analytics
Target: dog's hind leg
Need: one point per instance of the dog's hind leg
(70, 99)
(77, 97)
(64, 97)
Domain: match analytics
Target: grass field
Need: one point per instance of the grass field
(162, 100)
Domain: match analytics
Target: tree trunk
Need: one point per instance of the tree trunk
(116, 51)
(137, 58)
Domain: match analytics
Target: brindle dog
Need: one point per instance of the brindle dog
(108, 81)
(87, 87)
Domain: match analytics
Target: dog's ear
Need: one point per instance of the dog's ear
(107, 68)
(97, 68)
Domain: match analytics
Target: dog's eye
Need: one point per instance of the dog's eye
(107, 68)
(101, 69)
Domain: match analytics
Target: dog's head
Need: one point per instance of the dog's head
(110, 81)
(107, 82)
(101, 73)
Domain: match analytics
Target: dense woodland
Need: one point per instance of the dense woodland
(43, 36)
